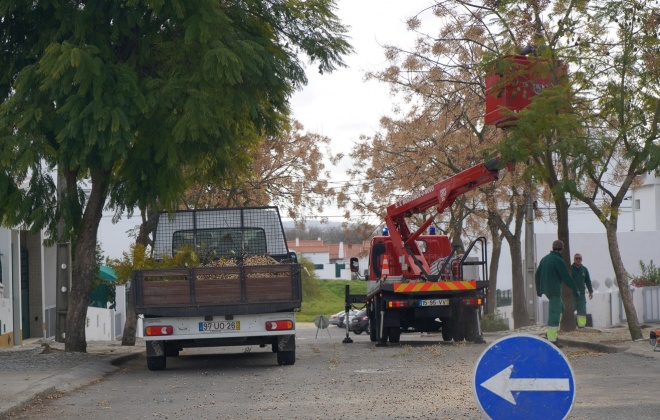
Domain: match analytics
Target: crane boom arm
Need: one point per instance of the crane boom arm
(441, 195)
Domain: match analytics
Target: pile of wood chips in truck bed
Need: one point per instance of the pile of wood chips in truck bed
(233, 262)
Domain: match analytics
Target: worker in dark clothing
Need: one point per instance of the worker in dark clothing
(550, 274)
(582, 279)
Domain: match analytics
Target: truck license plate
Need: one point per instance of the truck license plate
(434, 302)
(214, 326)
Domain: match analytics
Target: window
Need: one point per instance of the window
(222, 242)
(637, 204)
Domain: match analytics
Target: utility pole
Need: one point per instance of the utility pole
(529, 258)
(63, 268)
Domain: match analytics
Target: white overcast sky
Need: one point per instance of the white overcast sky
(339, 105)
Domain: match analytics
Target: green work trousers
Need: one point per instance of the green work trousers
(555, 311)
(580, 305)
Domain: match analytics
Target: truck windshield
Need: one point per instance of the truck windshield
(218, 243)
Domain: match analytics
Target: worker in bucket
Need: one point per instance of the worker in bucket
(582, 279)
(550, 274)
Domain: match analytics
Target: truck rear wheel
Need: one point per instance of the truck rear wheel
(286, 357)
(394, 334)
(156, 362)
(171, 350)
(372, 330)
(459, 331)
(447, 330)
(471, 325)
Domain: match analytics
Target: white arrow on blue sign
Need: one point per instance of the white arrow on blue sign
(524, 377)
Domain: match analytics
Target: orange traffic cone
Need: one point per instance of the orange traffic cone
(385, 268)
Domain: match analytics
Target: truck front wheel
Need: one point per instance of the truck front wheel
(156, 362)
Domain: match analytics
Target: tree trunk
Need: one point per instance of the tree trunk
(622, 282)
(149, 223)
(519, 294)
(520, 315)
(568, 322)
(84, 264)
(496, 252)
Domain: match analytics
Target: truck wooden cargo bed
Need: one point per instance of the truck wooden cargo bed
(203, 291)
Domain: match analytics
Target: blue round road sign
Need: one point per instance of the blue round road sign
(524, 377)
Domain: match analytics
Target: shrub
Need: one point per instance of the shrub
(493, 322)
(650, 275)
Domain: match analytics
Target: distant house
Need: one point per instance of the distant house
(331, 261)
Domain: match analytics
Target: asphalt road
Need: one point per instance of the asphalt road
(421, 377)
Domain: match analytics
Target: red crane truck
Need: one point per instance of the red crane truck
(417, 281)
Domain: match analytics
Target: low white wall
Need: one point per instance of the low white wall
(99, 325)
(107, 324)
(6, 315)
(605, 308)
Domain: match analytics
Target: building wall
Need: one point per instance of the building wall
(317, 257)
(6, 318)
(36, 298)
(645, 204)
(634, 246)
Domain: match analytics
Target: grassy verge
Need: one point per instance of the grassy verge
(327, 298)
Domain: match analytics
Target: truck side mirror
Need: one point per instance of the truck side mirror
(355, 265)
(293, 256)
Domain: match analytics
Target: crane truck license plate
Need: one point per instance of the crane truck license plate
(215, 326)
(434, 302)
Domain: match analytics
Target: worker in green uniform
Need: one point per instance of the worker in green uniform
(582, 279)
(550, 274)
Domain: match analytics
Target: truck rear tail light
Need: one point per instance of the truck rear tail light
(158, 330)
(279, 325)
(472, 302)
(397, 304)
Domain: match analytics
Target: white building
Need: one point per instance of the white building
(27, 287)
(638, 236)
(28, 293)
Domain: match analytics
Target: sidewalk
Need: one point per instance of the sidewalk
(614, 339)
(42, 367)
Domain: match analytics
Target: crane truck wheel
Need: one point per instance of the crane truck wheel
(447, 330)
(394, 334)
(471, 325)
(459, 331)
(372, 331)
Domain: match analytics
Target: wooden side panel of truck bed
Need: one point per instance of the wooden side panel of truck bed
(210, 289)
